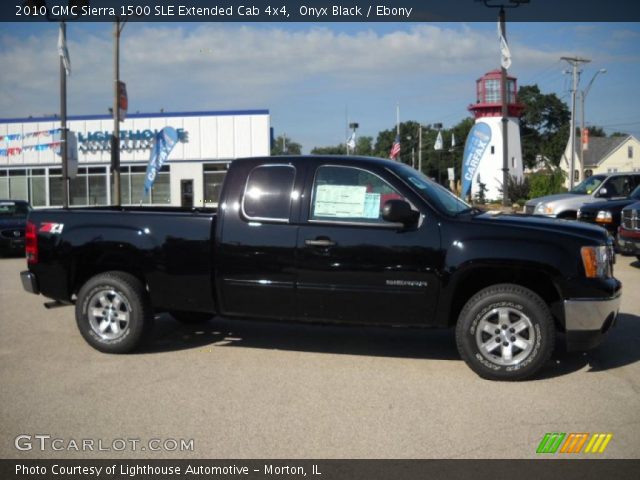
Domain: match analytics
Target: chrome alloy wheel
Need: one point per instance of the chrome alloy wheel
(108, 314)
(505, 336)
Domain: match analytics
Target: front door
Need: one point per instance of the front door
(355, 267)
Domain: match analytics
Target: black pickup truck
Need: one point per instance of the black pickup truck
(332, 239)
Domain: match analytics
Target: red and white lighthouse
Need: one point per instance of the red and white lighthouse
(488, 110)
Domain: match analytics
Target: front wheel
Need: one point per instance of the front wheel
(113, 313)
(505, 332)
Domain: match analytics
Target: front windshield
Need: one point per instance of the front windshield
(13, 209)
(431, 191)
(588, 185)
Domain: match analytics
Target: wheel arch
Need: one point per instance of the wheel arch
(470, 281)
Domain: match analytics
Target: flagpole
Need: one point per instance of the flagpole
(398, 119)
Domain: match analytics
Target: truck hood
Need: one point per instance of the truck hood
(553, 198)
(555, 226)
(608, 205)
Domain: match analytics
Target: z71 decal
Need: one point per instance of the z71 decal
(49, 227)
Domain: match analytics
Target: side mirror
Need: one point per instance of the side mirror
(603, 192)
(399, 211)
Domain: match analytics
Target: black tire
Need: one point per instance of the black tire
(638, 257)
(190, 318)
(529, 335)
(113, 312)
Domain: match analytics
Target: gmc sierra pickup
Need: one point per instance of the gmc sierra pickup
(332, 239)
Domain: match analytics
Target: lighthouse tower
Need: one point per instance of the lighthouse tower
(488, 110)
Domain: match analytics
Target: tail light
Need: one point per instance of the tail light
(31, 243)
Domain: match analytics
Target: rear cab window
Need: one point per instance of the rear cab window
(268, 193)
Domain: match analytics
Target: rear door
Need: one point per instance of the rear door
(352, 265)
(255, 253)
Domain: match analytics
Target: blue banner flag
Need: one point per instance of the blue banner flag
(475, 146)
(164, 142)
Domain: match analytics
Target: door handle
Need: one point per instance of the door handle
(320, 242)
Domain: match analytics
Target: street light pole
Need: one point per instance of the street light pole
(353, 126)
(503, 98)
(583, 97)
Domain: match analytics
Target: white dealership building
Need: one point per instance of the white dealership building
(31, 166)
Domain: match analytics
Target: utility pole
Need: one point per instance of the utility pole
(583, 96)
(115, 138)
(64, 151)
(575, 63)
(420, 147)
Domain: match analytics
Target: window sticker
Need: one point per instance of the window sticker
(371, 205)
(340, 201)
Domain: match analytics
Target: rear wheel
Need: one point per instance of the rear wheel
(113, 313)
(190, 318)
(505, 332)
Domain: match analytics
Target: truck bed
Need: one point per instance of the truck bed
(168, 246)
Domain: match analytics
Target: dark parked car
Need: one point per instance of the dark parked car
(629, 231)
(13, 220)
(607, 213)
(333, 239)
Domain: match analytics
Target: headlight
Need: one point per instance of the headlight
(604, 216)
(595, 261)
(544, 209)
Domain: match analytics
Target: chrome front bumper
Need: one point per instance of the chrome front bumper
(587, 321)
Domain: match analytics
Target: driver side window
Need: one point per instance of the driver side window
(350, 194)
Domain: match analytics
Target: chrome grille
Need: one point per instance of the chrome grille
(630, 219)
(588, 216)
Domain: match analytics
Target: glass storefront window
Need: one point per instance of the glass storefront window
(4, 185)
(212, 180)
(55, 190)
(39, 191)
(78, 190)
(97, 189)
(18, 189)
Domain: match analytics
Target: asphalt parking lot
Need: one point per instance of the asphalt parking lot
(243, 389)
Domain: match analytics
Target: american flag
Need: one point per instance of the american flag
(395, 149)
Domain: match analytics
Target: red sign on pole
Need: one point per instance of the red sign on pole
(585, 138)
(123, 102)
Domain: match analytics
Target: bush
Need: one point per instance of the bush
(518, 189)
(546, 182)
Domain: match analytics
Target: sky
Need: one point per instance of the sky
(314, 78)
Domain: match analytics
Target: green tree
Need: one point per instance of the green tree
(546, 182)
(285, 146)
(331, 150)
(544, 125)
(363, 147)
